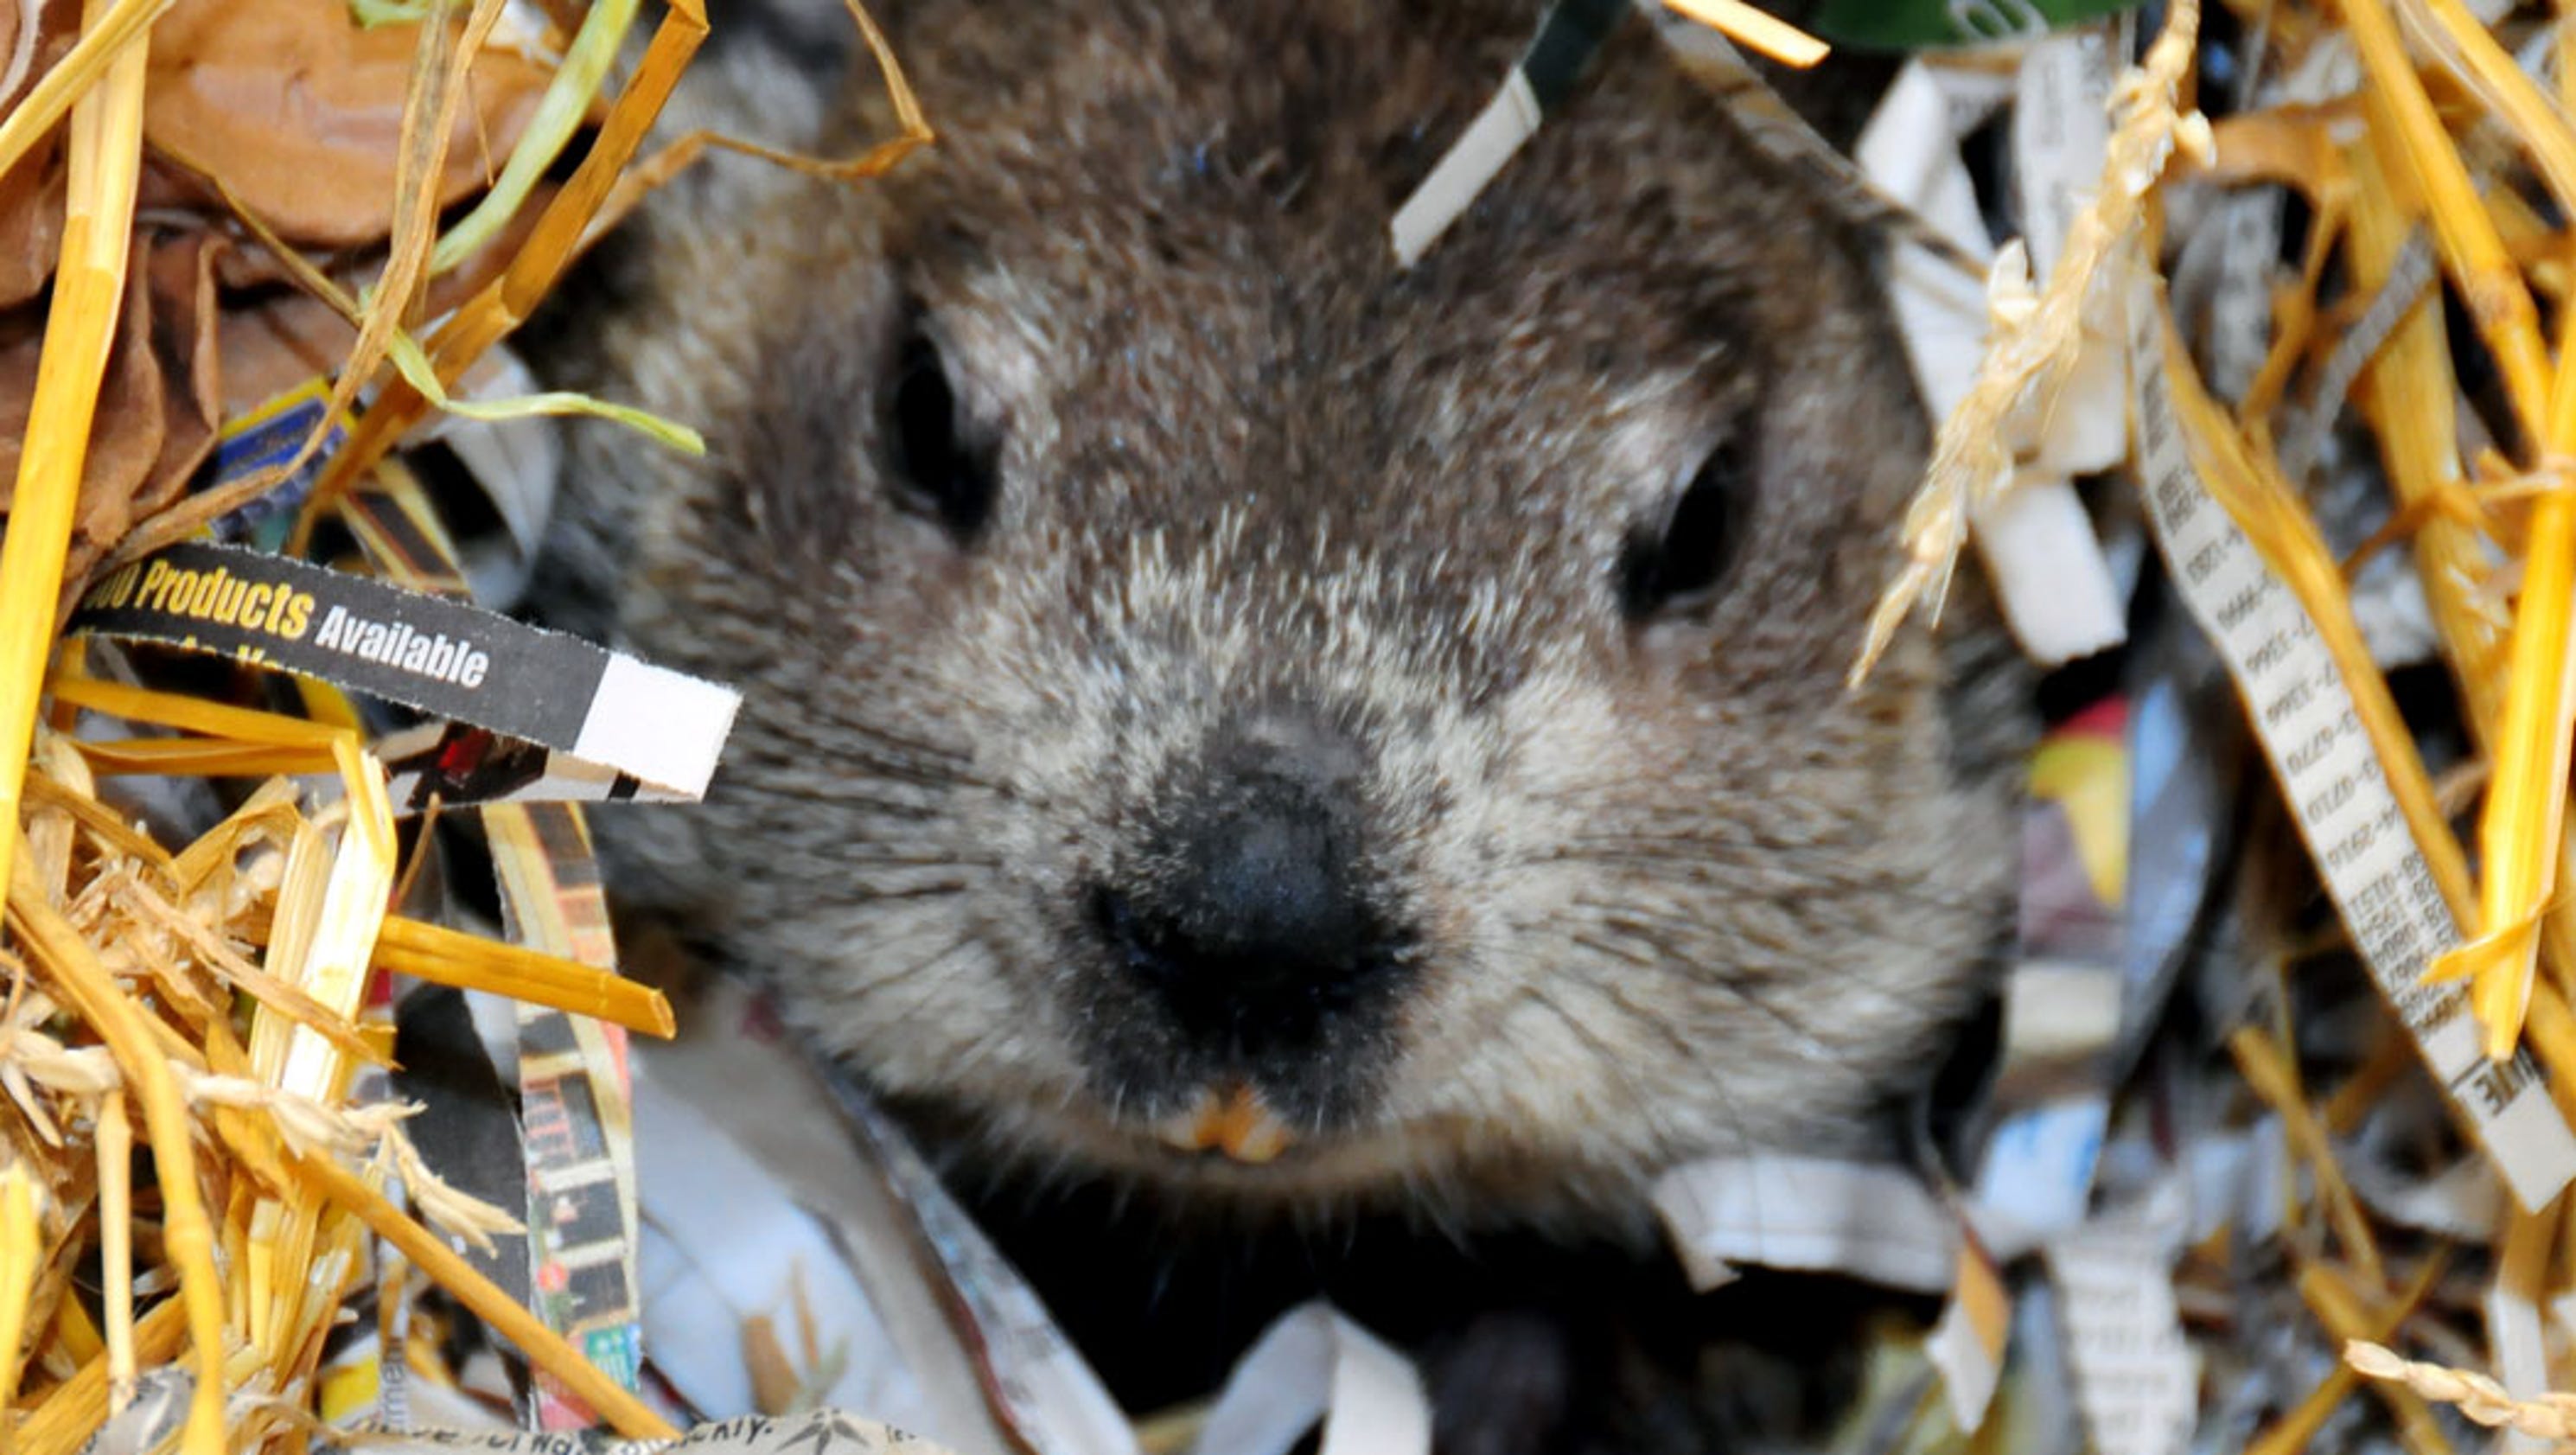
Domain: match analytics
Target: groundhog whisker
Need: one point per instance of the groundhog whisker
(1644, 1101)
(930, 775)
(762, 749)
(854, 723)
(902, 856)
(872, 894)
(876, 981)
(837, 742)
(931, 988)
(826, 867)
(873, 805)
(1664, 952)
(1702, 866)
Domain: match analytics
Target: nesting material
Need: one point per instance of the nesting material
(2337, 485)
(2216, 1197)
(130, 964)
(203, 1180)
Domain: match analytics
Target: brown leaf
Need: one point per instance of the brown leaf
(158, 409)
(31, 221)
(182, 279)
(125, 435)
(57, 26)
(299, 111)
(277, 346)
(31, 193)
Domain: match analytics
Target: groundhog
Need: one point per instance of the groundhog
(1250, 736)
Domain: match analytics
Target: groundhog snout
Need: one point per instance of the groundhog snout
(1252, 914)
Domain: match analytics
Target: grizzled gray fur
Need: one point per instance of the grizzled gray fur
(1187, 654)
(1231, 529)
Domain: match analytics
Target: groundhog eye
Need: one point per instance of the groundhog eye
(1679, 562)
(938, 467)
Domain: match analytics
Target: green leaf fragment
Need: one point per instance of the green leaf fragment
(409, 361)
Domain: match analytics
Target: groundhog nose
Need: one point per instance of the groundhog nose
(1265, 897)
(1252, 917)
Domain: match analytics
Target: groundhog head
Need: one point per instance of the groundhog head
(1230, 711)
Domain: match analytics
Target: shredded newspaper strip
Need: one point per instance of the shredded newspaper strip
(2303, 714)
(576, 1107)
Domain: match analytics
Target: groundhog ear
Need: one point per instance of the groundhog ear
(1677, 563)
(936, 458)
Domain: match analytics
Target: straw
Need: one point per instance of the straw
(89, 294)
(2520, 830)
(449, 957)
(1755, 30)
(186, 1233)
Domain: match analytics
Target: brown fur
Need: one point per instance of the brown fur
(1676, 891)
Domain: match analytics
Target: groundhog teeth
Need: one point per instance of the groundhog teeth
(1236, 1123)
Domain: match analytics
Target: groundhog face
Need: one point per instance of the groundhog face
(1229, 711)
